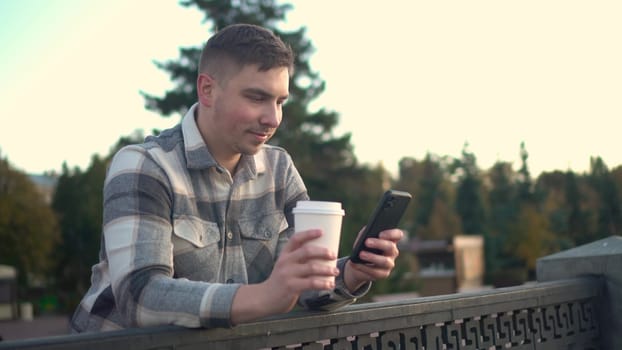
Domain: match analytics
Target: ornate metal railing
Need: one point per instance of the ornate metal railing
(549, 315)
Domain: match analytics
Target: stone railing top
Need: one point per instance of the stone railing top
(611, 246)
(601, 258)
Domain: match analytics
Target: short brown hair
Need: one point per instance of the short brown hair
(245, 44)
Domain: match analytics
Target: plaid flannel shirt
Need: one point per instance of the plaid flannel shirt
(180, 234)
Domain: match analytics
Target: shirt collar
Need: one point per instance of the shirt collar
(198, 155)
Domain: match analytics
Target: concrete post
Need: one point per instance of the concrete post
(601, 258)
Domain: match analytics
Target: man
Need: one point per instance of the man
(198, 225)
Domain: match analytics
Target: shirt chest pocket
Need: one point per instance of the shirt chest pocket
(191, 232)
(263, 227)
(260, 237)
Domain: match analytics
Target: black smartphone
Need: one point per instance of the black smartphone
(387, 215)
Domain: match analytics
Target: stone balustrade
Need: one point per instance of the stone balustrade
(575, 304)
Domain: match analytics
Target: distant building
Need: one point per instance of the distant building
(449, 266)
(8, 293)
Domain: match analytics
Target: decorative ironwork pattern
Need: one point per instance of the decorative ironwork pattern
(564, 314)
(572, 325)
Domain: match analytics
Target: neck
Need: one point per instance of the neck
(230, 164)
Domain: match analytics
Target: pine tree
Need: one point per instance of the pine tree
(469, 204)
(78, 205)
(610, 209)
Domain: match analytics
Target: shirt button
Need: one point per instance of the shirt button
(230, 280)
(229, 235)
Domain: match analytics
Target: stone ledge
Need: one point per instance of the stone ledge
(602, 258)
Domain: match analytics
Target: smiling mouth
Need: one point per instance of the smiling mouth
(261, 134)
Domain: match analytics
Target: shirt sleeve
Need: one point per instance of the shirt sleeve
(137, 233)
(333, 299)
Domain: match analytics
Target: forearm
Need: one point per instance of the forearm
(250, 303)
(163, 300)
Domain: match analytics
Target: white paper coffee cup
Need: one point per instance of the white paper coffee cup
(326, 216)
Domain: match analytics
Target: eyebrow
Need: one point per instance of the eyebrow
(263, 93)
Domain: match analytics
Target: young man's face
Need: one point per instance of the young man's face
(246, 110)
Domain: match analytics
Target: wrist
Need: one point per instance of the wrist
(350, 279)
(249, 304)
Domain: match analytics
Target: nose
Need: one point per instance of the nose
(271, 116)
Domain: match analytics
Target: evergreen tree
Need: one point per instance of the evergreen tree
(578, 228)
(524, 182)
(616, 176)
(502, 199)
(429, 183)
(410, 171)
(502, 196)
(78, 205)
(469, 203)
(435, 215)
(610, 209)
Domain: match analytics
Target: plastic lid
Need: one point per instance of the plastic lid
(319, 207)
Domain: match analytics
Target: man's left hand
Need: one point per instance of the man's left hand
(378, 266)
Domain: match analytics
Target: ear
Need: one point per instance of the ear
(205, 89)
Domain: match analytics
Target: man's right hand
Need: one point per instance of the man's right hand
(297, 269)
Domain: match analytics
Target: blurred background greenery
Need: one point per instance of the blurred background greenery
(50, 225)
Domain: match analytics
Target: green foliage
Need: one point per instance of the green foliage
(469, 202)
(530, 237)
(78, 204)
(28, 227)
(502, 200)
(610, 210)
(431, 215)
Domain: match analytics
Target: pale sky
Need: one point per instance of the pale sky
(407, 77)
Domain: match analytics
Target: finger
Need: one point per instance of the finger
(377, 261)
(313, 268)
(378, 268)
(370, 272)
(298, 239)
(387, 247)
(300, 277)
(305, 253)
(394, 235)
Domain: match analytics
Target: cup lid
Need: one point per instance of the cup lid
(319, 207)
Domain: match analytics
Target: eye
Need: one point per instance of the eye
(256, 98)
